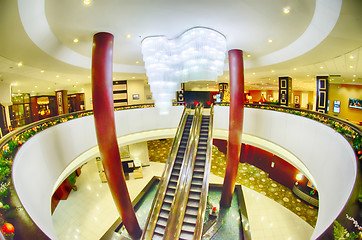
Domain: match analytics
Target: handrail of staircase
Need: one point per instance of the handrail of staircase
(162, 186)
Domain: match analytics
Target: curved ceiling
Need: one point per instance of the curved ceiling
(314, 34)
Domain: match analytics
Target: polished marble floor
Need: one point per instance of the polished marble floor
(89, 212)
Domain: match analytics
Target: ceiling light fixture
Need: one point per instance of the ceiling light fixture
(197, 54)
(42, 71)
(137, 62)
(20, 64)
(86, 2)
(270, 41)
(57, 76)
(354, 80)
(129, 36)
(286, 10)
(354, 75)
(294, 68)
(248, 55)
(75, 40)
(321, 67)
(36, 86)
(350, 66)
(351, 57)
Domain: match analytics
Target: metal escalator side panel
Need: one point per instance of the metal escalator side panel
(205, 185)
(162, 186)
(174, 224)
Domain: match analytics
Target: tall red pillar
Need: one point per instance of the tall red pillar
(102, 64)
(236, 115)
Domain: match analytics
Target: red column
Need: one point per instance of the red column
(236, 72)
(102, 89)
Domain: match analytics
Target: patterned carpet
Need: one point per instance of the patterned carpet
(249, 176)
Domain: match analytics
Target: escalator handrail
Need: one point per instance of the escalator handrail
(178, 207)
(205, 184)
(162, 186)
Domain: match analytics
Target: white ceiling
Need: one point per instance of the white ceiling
(315, 34)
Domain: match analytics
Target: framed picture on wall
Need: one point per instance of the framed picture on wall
(136, 96)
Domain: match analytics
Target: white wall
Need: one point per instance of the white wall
(328, 156)
(42, 159)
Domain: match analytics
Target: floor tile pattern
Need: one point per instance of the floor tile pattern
(249, 176)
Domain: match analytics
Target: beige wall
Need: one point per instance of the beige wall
(138, 87)
(343, 92)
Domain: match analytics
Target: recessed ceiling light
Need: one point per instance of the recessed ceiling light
(137, 62)
(270, 41)
(75, 40)
(248, 55)
(86, 2)
(20, 64)
(286, 10)
(321, 66)
(354, 80)
(350, 66)
(129, 36)
(294, 68)
(272, 70)
(48, 88)
(36, 86)
(14, 84)
(253, 73)
(351, 57)
(57, 76)
(355, 75)
(76, 82)
(307, 75)
(133, 77)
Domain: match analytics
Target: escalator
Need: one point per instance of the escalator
(172, 184)
(179, 206)
(197, 182)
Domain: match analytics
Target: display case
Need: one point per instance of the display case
(20, 112)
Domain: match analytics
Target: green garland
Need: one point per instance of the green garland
(9, 150)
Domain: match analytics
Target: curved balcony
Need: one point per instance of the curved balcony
(324, 147)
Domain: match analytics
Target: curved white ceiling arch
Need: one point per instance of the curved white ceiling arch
(33, 18)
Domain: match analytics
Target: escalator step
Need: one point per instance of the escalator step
(172, 185)
(189, 219)
(192, 211)
(188, 227)
(159, 229)
(197, 180)
(193, 203)
(174, 178)
(186, 235)
(170, 191)
(199, 163)
(194, 195)
(166, 206)
(195, 187)
(157, 236)
(199, 169)
(164, 214)
(162, 221)
(168, 199)
(198, 175)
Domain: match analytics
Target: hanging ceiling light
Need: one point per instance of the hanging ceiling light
(195, 55)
